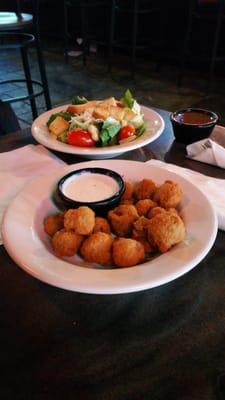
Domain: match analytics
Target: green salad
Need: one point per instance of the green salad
(98, 123)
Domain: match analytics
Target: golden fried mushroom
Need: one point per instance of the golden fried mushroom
(128, 193)
(168, 195)
(143, 206)
(81, 220)
(145, 189)
(157, 210)
(121, 219)
(139, 233)
(173, 210)
(127, 252)
(154, 211)
(53, 223)
(101, 225)
(165, 230)
(97, 248)
(141, 236)
(141, 223)
(66, 243)
(145, 221)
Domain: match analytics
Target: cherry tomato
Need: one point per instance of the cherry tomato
(80, 138)
(125, 132)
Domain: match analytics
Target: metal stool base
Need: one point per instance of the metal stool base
(22, 41)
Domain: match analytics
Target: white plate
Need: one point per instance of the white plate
(29, 246)
(155, 126)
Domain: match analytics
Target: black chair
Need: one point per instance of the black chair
(70, 7)
(89, 23)
(20, 30)
(203, 16)
(8, 120)
(136, 13)
(93, 31)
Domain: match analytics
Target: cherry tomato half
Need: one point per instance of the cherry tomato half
(80, 138)
(126, 131)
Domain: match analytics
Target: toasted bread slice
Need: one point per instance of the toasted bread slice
(117, 113)
(111, 101)
(80, 108)
(101, 112)
(59, 125)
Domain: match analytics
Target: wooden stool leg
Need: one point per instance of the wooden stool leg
(27, 74)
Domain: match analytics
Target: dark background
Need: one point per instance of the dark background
(163, 31)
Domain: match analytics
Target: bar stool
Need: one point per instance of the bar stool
(87, 10)
(68, 9)
(14, 28)
(212, 12)
(133, 10)
(8, 120)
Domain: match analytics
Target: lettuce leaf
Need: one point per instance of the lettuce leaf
(140, 130)
(108, 133)
(62, 137)
(127, 99)
(79, 100)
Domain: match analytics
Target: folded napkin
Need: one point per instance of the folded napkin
(211, 150)
(20, 166)
(213, 188)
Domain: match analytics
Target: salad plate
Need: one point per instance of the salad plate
(29, 246)
(154, 127)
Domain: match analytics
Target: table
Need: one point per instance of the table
(163, 343)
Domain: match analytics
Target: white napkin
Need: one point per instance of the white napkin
(213, 188)
(20, 166)
(211, 150)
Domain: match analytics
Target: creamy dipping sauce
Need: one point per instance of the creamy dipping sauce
(90, 187)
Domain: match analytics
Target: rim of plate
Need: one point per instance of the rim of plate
(42, 264)
(41, 134)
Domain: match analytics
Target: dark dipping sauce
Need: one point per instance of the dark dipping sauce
(194, 118)
(192, 124)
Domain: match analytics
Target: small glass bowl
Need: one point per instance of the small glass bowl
(193, 124)
(107, 185)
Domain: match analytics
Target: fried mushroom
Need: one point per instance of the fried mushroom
(127, 252)
(165, 230)
(154, 211)
(101, 225)
(144, 206)
(157, 210)
(81, 220)
(145, 189)
(128, 193)
(66, 243)
(53, 223)
(97, 248)
(139, 233)
(168, 195)
(121, 219)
